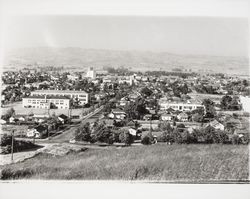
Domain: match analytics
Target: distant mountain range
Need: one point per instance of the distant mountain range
(79, 58)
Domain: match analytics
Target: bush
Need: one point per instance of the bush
(83, 133)
(19, 145)
(147, 139)
(126, 137)
(166, 137)
(6, 140)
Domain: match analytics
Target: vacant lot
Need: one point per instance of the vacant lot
(178, 163)
(18, 129)
(19, 109)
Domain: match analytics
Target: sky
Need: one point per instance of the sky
(220, 36)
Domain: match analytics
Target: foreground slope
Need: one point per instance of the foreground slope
(160, 162)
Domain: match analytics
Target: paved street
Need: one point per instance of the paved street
(69, 134)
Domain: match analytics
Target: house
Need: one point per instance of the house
(2, 121)
(117, 114)
(21, 118)
(147, 117)
(12, 120)
(124, 102)
(183, 117)
(63, 118)
(132, 131)
(166, 117)
(170, 110)
(38, 132)
(40, 118)
(215, 124)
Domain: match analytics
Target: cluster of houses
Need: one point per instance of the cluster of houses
(38, 124)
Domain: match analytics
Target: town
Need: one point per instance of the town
(124, 107)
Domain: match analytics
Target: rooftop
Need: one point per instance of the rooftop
(58, 91)
(47, 97)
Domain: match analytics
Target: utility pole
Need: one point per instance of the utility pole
(12, 145)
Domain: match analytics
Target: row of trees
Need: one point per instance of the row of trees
(99, 132)
(206, 136)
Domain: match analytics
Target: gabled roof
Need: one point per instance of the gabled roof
(40, 128)
(63, 116)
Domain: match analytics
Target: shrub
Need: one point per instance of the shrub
(166, 137)
(6, 140)
(147, 139)
(83, 133)
(126, 137)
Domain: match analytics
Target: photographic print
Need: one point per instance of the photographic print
(125, 97)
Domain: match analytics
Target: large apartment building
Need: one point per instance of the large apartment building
(188, 105)
(82, 96)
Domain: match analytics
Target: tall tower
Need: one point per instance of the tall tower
(91, 73)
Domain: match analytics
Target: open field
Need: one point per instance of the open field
(25, 111)
(18, 129)
(201, 96)
(160, 162)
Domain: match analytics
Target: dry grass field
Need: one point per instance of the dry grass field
(160, 162)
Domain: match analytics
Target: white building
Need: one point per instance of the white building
(91, 73)
(73, 77)
(129, 80)
(82, 96)
(46, 101)
(179, 105)
(245, 101)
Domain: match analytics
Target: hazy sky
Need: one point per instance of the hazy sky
(182, 35)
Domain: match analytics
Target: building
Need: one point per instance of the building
(166, 117)
(245, 101)
(188, 105)
(117, 114)
(91, 73)
(37, 132)
(73, 77)
(82, 96)
(128, 80)
(183, 117)
(46, 102)
(215, 124)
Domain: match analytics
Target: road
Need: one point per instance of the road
(69, 134)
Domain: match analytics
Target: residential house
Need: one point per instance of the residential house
(147, 117)
(63, 118)
(215, 124)
(117, 114)
(183, 117)
(166, 117)
(38, 132)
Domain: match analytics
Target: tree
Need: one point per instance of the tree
(165, 126)
(101, 133)
(225, 102)
(125, 137)
(146, 91)
(147, 139)
(83, 133)
(136, 110)
(197, 117)
(209, 108)
(10, 112)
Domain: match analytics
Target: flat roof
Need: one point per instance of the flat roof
(47, 97)
(58, 91)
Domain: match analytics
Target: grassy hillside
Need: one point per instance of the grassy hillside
(179, 163)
